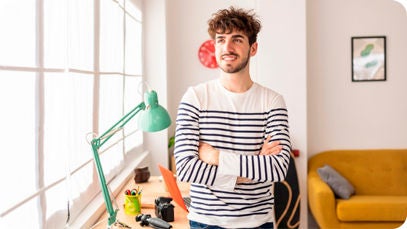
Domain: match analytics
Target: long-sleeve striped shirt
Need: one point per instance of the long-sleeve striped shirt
(236, 124)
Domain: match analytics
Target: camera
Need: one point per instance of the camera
(164, 209)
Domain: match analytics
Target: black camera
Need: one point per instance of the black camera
(164, 209)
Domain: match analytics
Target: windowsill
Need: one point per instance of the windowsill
(91, 214)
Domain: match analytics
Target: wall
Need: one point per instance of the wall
(155, 71)
(342, 114)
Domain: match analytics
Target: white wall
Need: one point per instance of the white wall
(342, 114)
(155, 71)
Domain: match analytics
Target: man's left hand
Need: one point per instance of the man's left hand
(208, 154)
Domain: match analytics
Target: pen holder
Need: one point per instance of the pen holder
(132, 204)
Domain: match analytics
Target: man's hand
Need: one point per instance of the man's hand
(272, 148)
(208, 154)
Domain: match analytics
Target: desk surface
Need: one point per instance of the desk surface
(152, 189)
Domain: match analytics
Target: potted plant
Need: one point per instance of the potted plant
(171, 143)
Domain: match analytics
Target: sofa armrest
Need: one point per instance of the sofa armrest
(322, 203)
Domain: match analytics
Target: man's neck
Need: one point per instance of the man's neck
(237, 82)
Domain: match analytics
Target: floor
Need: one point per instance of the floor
(311, 221)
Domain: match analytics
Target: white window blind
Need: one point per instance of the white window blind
(68, 69)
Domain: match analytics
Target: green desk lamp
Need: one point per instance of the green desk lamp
(154, 118)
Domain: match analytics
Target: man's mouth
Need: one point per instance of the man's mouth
(229, 57)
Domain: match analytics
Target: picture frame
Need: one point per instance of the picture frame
(368, 58)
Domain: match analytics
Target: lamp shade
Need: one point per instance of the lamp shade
(154, 117)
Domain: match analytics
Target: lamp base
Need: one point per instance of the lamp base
(117, 225)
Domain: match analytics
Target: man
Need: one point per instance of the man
(232, 140)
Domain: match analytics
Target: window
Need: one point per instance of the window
(68, 69)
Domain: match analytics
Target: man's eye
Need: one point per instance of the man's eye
(238, 40)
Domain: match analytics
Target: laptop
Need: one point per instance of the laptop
(173, 189)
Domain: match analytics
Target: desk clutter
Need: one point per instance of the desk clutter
(164, 209)
(132, 201)
(141, 175)
(150, 193)
(147, 220)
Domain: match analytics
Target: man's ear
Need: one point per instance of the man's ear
(253, 49)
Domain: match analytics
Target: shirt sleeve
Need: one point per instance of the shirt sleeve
(263, 167)
(188, 165)
(231, 165)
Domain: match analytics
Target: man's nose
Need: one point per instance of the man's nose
(228, 45)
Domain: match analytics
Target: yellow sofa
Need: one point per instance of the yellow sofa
(379, 178)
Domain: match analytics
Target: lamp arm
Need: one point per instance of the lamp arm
(99, 142)
(119, 124)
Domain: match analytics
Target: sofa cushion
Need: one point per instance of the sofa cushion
(339, 185)
(369, 171)
(372, 208)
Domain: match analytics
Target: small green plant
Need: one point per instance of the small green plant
(171, 142)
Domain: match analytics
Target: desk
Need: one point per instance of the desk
(152, 189)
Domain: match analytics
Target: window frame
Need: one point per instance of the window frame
(131, 157)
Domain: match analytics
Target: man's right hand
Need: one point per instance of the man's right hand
(270, 148)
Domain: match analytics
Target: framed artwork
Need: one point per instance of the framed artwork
(368, 58)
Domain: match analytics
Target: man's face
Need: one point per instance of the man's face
(233, 51)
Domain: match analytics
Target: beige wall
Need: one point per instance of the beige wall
(346, 115)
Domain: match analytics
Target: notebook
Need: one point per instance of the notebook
(173, 189)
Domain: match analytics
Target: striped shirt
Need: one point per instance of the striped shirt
(236, 124)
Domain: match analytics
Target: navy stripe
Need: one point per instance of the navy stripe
(245, 125)
(234, 113)
(229, 118)
(228, 136)
(241, 165)
(209, 140)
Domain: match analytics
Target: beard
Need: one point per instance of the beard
(228, 68)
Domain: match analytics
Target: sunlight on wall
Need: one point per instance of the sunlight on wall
(403, 3)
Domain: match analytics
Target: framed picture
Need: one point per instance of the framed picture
(368, 58)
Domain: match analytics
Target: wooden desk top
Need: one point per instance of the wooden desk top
(152, 189)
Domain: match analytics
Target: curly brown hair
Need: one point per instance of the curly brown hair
(233, 19)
